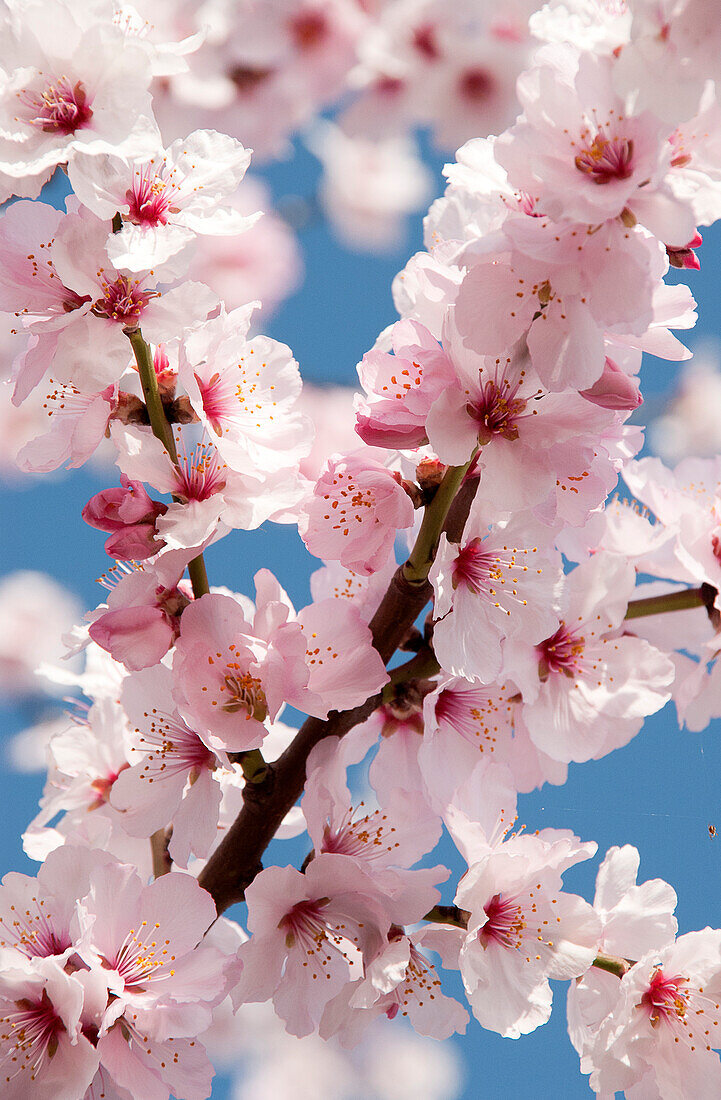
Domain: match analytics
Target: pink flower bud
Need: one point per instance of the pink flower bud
(614, 389)
(134, 543)
(116, 509)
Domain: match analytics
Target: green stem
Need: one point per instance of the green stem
(255, 768)
(163, 431)
(612, 964)
(670, 601)
(149, 381)
(420, 560)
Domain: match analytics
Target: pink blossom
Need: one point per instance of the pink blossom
(636, 919)
(466, 722)
(320, 924)
(561, 290)
(232, 672)
(72, 83)
(494, 584)
(75, 423)
(584, 156)
(400, 388)
(661, 1030)
(400, 980)
(171, 778)
(43, 1051)
(167, 199)
(355, 510)
(245, 392)
(523, 930)
(332, 629)
(385, 842)
(588, 686)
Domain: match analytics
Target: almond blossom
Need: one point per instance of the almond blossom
(498, 578)
(584, 156)
(172, 775)
(401, 980)
(43, 1050)
(245, 391)
(636, 919)
(304, 927)
(165, 200)
(661, 1031)
(523, 929)
(355, 510)
(71, 82)
(588, 686)
(233, 672)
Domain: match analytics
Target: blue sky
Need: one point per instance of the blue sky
(659, 793)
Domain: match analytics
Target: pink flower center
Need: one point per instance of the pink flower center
(243, 691)
(664, 1000)
(474, 714)
(368, 838)
(246, 79)
(497, 410)
(200, 475)
(606, 159)
(150, 197)
(476, 567)
(32, 930)
(505, 922)
(123, 300)
(62, 107)
(29, 1036)
(144, 955)
(172, 749)
(476, 85)
(560, 653)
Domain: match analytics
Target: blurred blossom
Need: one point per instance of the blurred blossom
(389, 1064)
(369, 186)
(35, 611)
(331, 410)
(691, 422)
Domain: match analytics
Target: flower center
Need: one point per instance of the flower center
(247, 79)
(560, 653)
(29, 1036)
(505, 923)
(496, 410)
(664, 1000)
(123, 300)
(475, 567)
(245, 692)
(309, 29)
(606, 159)
(149, 199)
(61, 108)
(202, 474)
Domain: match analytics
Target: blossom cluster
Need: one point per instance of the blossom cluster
(492, 424)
